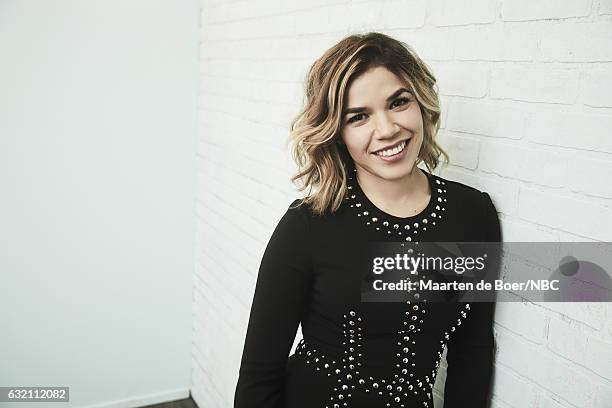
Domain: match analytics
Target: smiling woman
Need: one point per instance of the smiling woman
(371, 116)
(384, 138)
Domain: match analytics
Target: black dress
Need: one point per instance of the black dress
(357, 354)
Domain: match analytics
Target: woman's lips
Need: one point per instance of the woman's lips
(397, 156)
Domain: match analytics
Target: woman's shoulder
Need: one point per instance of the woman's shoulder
(476, 204)
(462, 192)
(300, 208)
(299, 214)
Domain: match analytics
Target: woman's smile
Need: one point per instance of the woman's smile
(395, 153)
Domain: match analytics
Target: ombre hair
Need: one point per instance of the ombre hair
(316, 145)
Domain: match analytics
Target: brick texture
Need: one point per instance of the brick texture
(527, 116)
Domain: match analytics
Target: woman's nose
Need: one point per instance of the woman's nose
(385, 127)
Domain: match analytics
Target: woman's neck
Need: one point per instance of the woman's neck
(402, 197)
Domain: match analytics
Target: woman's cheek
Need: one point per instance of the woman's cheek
(364, 142)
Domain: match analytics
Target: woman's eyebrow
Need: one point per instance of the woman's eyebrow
(360, 109)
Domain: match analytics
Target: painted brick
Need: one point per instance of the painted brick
(553, 401)
(585, 177)
(549, 371)
(592, 314)
(596, 84)
(605, 7)
(520, 10)
(503, 193)
(364, 15)
(499, 42)
(599, 356)
(430, 45)
(541, 166)
(485, 118)
(463, 151)
(460, 175)
(513, 389)
(403, 13)
(465, 80)
(497, 403)
(567, 128)
(577, 42)
(567, 340)
(552, 209)
(459, 12)
(521, 231)
(604, 395)
(535, 84)
(522, 319)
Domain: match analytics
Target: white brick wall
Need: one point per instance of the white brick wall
(527, 116)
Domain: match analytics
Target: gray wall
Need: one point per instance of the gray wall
(98, 117)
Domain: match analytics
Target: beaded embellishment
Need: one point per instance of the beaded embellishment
(408, 231)
(349, 372)
(348, 369)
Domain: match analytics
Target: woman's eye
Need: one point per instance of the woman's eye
(354, 118)
(403, 100)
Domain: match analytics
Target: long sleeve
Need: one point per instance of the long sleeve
(470, 351)
(281, 290)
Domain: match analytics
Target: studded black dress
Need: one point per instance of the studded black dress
(357, 354)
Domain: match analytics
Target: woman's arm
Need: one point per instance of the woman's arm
(282, 287)
(471, 349)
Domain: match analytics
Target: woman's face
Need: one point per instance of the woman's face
(382, 116)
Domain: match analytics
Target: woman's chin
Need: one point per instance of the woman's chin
(399, 171)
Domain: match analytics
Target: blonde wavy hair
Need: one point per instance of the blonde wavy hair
(316, 146)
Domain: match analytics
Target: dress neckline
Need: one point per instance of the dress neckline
(404, 228)
(421, 214)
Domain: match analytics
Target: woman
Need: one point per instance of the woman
(371, 115)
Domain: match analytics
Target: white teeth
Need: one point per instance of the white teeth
(391, 152)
